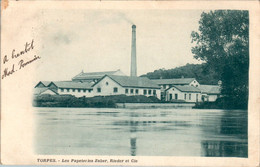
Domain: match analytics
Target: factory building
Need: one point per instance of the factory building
(95, 76)
(117, 85)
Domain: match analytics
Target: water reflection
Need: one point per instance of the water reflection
(142, 132)
(224, 149)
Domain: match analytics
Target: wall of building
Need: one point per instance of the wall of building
(213, 98)
(107, 86)
(76, 92)
(49, 92)
(190, 96)
(210, 98)
(194, 83)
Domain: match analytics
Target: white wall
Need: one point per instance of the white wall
(181, 95)
(213, 98)
(210, 98)
(107, 86)
(194, 83)
(48, 92)
(75, 93)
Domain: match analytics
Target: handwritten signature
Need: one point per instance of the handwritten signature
(21, 63)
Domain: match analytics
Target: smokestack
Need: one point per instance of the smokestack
(133, 53)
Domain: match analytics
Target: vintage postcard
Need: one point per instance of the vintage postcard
(130, 83)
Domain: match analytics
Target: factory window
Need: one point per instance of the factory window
(106, 83)
(84, 90)
(68, 90)
(73, 90)
(99, 90)
(149, 92)
(131, 91)
(185, 96)
(126, 90)
(189, 96)
(170, 98)
(154, 92)
(145, 92)
(62, 90)
(136, 91)
(89, 90)
(79, 90)
(176, 96)
(115, 89)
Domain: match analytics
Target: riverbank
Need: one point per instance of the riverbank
(47, 100)
(120, 101)
(154, 105)
(116, 101)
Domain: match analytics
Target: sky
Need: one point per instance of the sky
(100, 40)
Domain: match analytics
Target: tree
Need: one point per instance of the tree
(223, 43)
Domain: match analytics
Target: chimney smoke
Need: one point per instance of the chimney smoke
(133, 53)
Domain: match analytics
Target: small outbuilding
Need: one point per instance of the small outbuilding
(185, 93)
(210, 93)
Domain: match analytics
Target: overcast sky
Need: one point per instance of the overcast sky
(100, 40)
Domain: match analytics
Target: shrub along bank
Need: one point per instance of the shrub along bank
(46, 100)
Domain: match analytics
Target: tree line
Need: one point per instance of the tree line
(222, 42)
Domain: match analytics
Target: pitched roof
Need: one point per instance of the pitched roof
(175, 81)
(45, 83)
(126, 81)
(210, 89)
(185, 88)
(93, 75)
(72, 84)
(38, 91)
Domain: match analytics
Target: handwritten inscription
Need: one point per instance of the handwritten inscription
(18, 59)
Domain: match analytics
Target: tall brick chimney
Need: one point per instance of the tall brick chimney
(133, 53)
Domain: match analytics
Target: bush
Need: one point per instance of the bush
(47, 100)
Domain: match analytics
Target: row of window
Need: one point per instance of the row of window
(74, 90)
(185, 96)
(145, 92)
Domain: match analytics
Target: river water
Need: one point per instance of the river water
(141, 132)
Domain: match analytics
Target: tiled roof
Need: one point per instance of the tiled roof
(45, 83)
(38, 91)
(186, 88)
(140, 82)
(210, 89)
(93, 75)
(72, 84)
(176, 81)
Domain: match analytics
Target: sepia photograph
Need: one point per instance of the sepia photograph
(112, 85)
(145, 83)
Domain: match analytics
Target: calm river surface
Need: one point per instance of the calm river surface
(141, 132)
